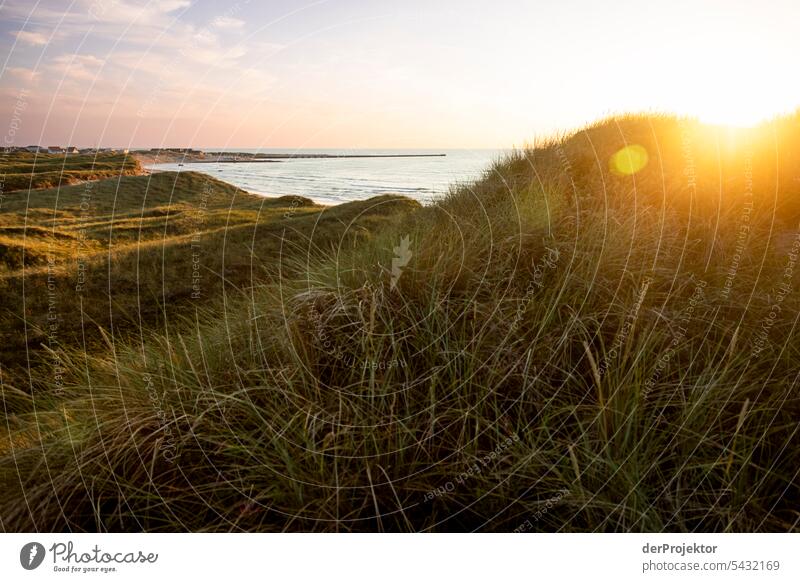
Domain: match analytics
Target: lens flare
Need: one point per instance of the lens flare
(629, 160)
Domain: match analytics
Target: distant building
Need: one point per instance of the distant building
(32, 148)
(176, 150)
(55, 150)
(72, 150)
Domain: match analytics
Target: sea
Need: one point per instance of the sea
(336, 180)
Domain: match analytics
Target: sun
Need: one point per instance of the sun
(732, 114)
(742, 106)
(721, 80)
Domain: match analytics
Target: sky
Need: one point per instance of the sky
(379, 73)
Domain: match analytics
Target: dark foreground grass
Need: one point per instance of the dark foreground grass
(562, 346)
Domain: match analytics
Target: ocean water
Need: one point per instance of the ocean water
(336, 180)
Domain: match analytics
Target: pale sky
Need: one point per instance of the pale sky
(378, 73)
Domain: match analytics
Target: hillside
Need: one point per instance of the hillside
(599, 335)
(128, 254)
(23, 171)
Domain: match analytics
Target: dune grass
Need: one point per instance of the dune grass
(579, 341)
(23, 171)
(126, 254)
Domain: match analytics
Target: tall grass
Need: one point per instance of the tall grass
(23, 171)
(567, 348)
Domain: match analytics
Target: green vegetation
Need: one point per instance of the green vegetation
(128, 254)
(22, 171)
(587, 339)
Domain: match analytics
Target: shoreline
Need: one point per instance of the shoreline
(276, 158)
(149, 157)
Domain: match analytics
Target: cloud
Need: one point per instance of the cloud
(212, 56)
(171, 5)
(126, 11)
(28, 37)
(128, 52)
(139, 62)
(81, 67)
(227, 23)
(23, 73)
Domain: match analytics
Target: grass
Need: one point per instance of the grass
(560, 346)
(24, 171)
(128, 254)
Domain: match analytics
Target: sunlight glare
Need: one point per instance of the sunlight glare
(629, 160)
